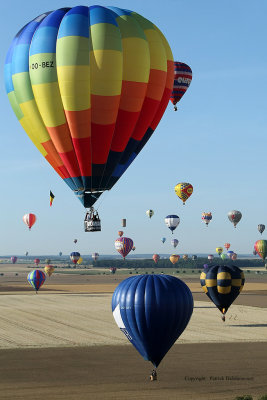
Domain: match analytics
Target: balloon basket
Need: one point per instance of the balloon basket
(92, 222)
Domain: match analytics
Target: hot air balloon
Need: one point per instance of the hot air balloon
(210, 257)
(185, 257)
(133, 249)
(80, 261)
(261, 228)
(174, 258)
(163, 240)
(227, 246)
(174, 242)
(49, 269)
(183, 191)
(120, 233)
(234, 216)
(90, 91)
(230, 253)
(206, 217)
(152, 311)
(150, 213)
(60, 253)
(37, 261)
(123, 246)
(172, 221)
(222, 284)
(74, 256)
(14, 259)
(112, 270)
(156, 258)
(223, 256)
(47, 261)
(75, 241)
(219, 250)
(206, 266)
(26, 253)
(194, 257)
(234, 256)
(182, 80)
(52, 196)
(261, 248)
(123, 222)
(36, 279)
(29, 220)
(95, 256)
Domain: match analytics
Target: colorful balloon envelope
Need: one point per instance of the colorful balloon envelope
(261, 228)
(261, 248)
(49, 269)
(74, 256)
(89, 85)
(174, 242)
(172, 221)
(206, 217)
(152, 311)
(156, 258)
(37, 261)
(219, 250)
(183, 191)
(254, 253)
(222, 284)
(95, 256)
(112, 270)
(223, 256)
(185, 257)
(120, 233)
(36, 279)
(234, 216)
(123, 246)
(150, 213)
(210, 257)
(14, 259)
(227, 245)
(182, 80)
(174, 258)
(29, 220)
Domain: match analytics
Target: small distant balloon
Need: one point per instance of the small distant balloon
(120, 233)
(234, 256)
(227, 246)
(174, 258)
(150, 213)
(174, 242)
(36, 279)
(26, 253)
(156, 258)
(163, 240)
(123, 246)
(29, 220)
(230, 253)
(172, 221)
(185, 257)
(75, 240)
(234, 217)
(206, 217)
(95, 256)
(49, 269)
(194, 257)
(261, 228)
(123, 222)
(60, 253)
(210, 257)
(223, 256)
(37, 261)
(182, 80)
(219, 250)
(183, 191)
(260, 247)
(14, 259)
(74, 256)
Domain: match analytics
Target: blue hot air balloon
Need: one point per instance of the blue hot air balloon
(152, 311)
(163, 240)
(36, 279)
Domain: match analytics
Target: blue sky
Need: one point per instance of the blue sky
(216, 141)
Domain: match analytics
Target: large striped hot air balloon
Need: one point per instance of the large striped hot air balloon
(123, 245)
(36, 279)
(29, 220)
(182, 80)
(89, 86)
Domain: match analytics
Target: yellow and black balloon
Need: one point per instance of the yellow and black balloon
(222, 284)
